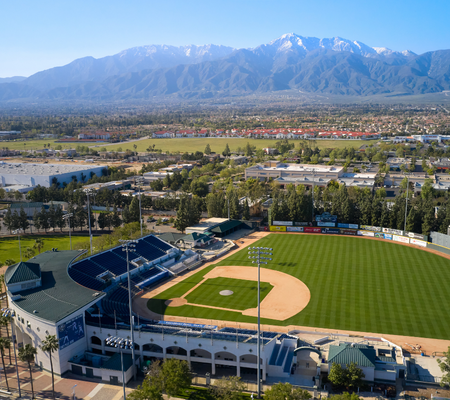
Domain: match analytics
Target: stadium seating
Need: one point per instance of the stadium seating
(274, 355)
(288, 362)
(89, 268)
(158, 243)
(281, 356)
(85, 280)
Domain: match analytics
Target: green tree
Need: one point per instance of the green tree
(176, 376)
(27, 354)
(182, 221)
(9, 262)
(227, 151)
(134, 210)
(248, 150)
(4, 344)
(23, 219)
(337, 375)
(228, 388)
(353, 376)
(49, 345)
(246, 211)
(207, 149)
(115, 218)
(285, 391)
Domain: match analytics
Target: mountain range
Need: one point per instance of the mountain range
(327, 66)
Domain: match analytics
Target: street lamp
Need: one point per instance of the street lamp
(18, 232)
(140, 181)
(130, 245)
(122, 344)
(7, 312)
(89, 192)
(259, 259)
(67, 217)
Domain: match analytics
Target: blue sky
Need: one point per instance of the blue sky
(38, 35)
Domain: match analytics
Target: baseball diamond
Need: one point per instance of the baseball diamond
(355, 284)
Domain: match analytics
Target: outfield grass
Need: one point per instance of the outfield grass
(9, 247)
(218, 144)
(356, 284)
(243, 297)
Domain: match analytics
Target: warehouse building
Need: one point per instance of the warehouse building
(43, 174)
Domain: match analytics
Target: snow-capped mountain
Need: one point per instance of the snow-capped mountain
(290, 42)
(291, 62)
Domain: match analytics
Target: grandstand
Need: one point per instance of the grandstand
(95, 271)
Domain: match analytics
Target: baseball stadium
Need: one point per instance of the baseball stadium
(326, 297)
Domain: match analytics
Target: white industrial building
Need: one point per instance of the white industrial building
(27, 174)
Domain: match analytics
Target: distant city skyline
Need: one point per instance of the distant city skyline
(42, 35)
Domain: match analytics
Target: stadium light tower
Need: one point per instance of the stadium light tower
(88, 193)
(67, 217)
(18, 232)
(122, 344)
(258, 258)
(140, 181)
(130, 245)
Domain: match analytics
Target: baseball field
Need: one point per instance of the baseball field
(334, 282)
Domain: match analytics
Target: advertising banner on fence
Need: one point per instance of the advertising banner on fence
(415, 235)
(371, 228)
(310, 229)
(347, 232)
(283, 223)
(277, 228)
(294, 229)
(379, 235)
(334, 231)
(351, 226)
(388, 236)
(401, 239)
(418, 242)
(302, 223)
(326, 217)
(366, 233)
(331, 224)
(393, 231)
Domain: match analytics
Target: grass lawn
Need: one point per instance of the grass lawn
(356, 284)
(39, 144)
(243, 297)
(9, 247)
(218, 144)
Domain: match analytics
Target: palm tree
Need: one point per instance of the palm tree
(38, 244)
(28, 253)
(4, 321)
(5, 344)
(27, 354)
(50, 344)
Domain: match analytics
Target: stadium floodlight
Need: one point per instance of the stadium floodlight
(9, 313)
(259, 258)
(89, 192)
(18, 232)
(122, 344)
(127, 246)
(68, 216)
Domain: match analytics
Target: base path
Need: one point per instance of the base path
(287, 298)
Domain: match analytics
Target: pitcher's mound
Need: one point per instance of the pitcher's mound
(226, 292)
(176, 302)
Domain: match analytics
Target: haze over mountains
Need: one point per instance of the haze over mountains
(327, 66)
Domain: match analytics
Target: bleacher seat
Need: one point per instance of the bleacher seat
(85, 280)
